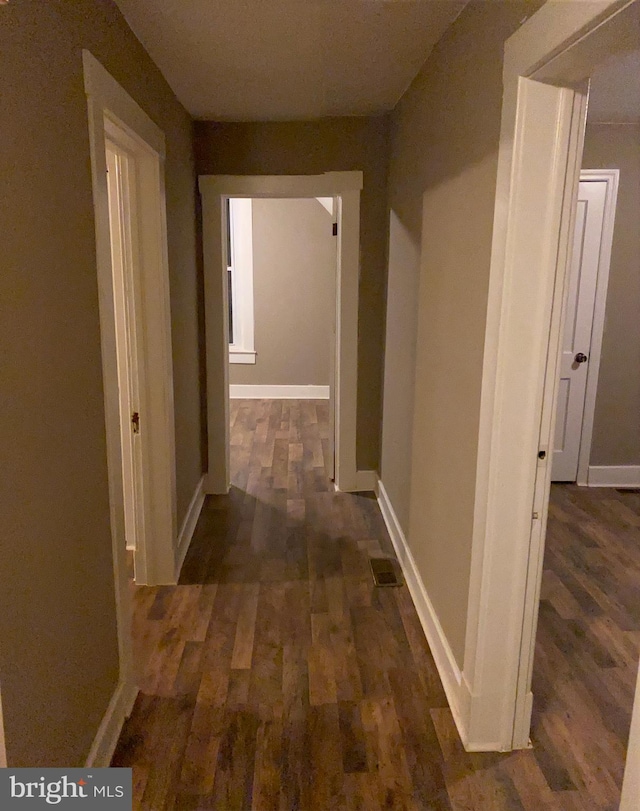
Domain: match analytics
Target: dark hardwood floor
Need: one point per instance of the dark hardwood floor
(276, 676)
(588, 641)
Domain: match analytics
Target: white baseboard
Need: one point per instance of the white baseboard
(366, 481)
(118, 711)
(453, 682)
(189, 525)
(245, 392)
(614, 476)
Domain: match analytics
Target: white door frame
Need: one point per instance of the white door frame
(610, 177)
(213, 189)
(112, 112)
(538, 168)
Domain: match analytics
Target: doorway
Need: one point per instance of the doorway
(135, 333)
(546, 68)
(585, 303)
(281, 256)
(123, 232)
(345, 188)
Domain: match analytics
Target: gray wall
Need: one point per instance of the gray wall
(294, 278)
(313, 147)
(58, 645)
(445, 133)
(616, 428)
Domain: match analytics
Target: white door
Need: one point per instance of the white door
(576, 342)
(123, 243)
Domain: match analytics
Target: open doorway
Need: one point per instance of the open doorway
(282, 271)
(585, 544)
(127, 155)
(224, 324)
(586, 647)
(548, 62)
(584, 320)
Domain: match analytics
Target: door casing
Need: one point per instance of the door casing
(114, 115)
(214, 189)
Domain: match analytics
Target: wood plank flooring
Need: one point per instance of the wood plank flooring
(588, 642)
(276, 676)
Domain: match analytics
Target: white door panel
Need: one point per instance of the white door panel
(123, 246)
(578, 324)
(560, 443)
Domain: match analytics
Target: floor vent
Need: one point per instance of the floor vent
(385, 572)
(628, 489)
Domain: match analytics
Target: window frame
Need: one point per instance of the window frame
(240, 263)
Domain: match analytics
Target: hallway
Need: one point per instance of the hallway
(276, 676)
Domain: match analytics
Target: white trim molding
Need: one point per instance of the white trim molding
(346, 188)
(100, 84)
(614, 476)
(451, 676)
(240, 356)
(117, 712)
(241, 391)
(189, 525)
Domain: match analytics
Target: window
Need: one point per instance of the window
(240, 280)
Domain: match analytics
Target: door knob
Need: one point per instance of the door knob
(581, 358)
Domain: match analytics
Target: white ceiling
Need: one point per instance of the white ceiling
(240, 60)
(615, 90)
